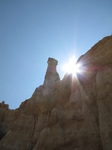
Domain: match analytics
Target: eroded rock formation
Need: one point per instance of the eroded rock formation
(51, 75)
(71, 114)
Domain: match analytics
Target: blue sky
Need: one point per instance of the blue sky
(33, 30)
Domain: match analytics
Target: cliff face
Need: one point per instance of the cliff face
(74, 113)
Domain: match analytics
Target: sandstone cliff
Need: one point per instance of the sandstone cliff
(71, 114)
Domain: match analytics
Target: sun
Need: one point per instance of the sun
(71, 67)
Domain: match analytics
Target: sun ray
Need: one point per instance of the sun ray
(72, 67)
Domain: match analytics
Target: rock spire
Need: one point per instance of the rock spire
(52, 75)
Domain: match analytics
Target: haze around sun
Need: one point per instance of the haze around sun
(71, 67)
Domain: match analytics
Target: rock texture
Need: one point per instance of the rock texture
(72, 114)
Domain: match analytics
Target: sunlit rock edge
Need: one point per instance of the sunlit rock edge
(74, 113)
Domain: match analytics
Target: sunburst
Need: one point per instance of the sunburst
(72, 67)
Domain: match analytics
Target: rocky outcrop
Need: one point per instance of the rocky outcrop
(7, 118)
(74, 113)
(51, 75)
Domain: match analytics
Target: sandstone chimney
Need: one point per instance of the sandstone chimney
(51, 74)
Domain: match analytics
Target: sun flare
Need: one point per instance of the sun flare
(71, 66)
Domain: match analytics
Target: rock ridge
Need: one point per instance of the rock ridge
(74, 113)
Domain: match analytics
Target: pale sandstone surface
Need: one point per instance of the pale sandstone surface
(71, 114)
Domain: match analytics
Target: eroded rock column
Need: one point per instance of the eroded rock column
(52, 75)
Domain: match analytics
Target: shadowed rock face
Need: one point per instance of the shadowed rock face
(51, 75)
(71, 114)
